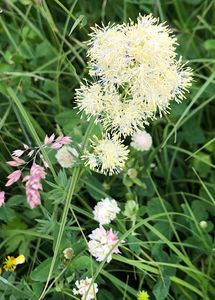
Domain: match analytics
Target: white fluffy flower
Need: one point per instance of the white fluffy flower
(89, 99)
(86, 288)
(101, 244)
(105, 211)
(108, 54)
(138, 74)
(66, 156)
(108, 156)
(123, 116)
(141, 140)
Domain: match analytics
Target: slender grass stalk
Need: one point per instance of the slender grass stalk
(72, 184)
(30, 126)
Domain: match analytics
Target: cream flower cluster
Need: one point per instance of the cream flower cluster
(86, 288)
(137, 75)
(108, 156)
(105, 211)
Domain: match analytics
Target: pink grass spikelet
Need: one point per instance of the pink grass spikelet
(30, 154)
(26, 146)
(2, 198)
(60, 141)
(56, 145)
(16, 162)
(33, 185)
(48, 140)
(13, 177)
(18, 152)
(64, 140)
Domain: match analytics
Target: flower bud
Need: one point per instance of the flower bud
(68, 253)
(132, 173)
(131, 209)
(203, 224)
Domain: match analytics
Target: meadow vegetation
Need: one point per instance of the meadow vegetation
(165, 210)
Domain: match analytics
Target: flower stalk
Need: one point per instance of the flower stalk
(72, 184)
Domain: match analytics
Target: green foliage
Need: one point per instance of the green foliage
(167, 251)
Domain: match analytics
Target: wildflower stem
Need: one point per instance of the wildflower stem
(73, 181)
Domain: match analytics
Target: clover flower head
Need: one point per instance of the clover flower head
(66, 156)
(68, 253)
(105, 211)
(101, 244)
(141, 140)
(86, 288)
(108, 155)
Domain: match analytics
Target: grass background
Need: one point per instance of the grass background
(43, 59)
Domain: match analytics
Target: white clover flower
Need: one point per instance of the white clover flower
(86, 288)
(108, 156)
(89, 98)
(141, 140)
(66, 156)
(101, 244)
(105, 211)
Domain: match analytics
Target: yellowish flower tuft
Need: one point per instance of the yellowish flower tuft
(108, 156)
(142, 296)
(108, 53)
(124, 117)
(137, 74)
(90, 99)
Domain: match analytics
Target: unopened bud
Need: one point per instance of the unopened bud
(131, 210)
(106, 186)
(132, 173)
(68, 253)
(203, 224)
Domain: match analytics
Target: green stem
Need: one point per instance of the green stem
(73, 181)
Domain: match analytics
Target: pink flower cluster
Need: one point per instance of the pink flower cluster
(2, 197)
(57, 143)
(33, 185)
(37, 172)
